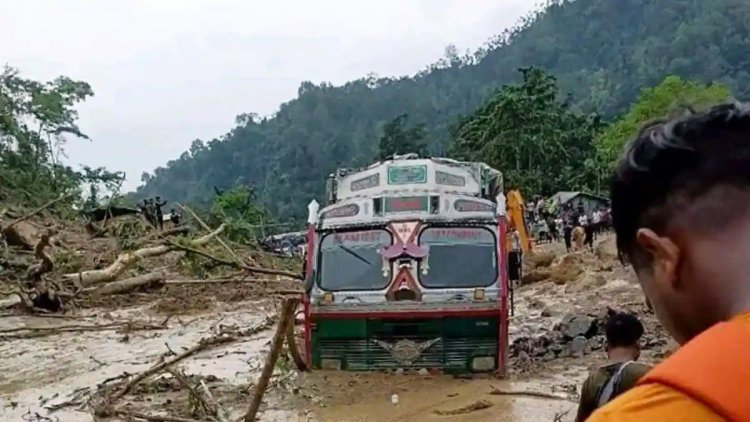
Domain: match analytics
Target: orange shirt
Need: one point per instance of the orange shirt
(657, 402)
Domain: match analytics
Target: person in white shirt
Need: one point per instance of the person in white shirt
(596, 220)
(583, 220)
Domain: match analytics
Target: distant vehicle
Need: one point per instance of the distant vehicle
(407, 268)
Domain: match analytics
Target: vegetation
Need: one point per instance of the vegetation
(399, 139)
(534, 137)
(602, 52)
(36, 119)
(239, 211)
(669, 97)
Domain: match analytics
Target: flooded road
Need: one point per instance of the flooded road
(39, 372)
(36, 373)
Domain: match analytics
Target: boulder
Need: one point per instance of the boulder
(606, 250)
(588, 281)
(539, 259)
(577, 346)
(22, 234)
(535, 276)
(580, 325)
(567, 268)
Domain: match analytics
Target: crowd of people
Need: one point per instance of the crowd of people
(572, 224)
(151, 210)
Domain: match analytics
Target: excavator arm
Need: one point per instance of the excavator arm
(516, 215)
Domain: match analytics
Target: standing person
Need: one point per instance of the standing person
(621, 372)
(159, 215)
(148, 211)
(568, 235)
(515, 257)
(596, 221)
(588, 229)
(689, 169)
(553, 229)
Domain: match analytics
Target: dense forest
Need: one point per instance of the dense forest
(593, 56)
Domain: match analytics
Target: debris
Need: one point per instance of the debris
(474, 407)
(286, 318)
(528, 393)
(87, 278)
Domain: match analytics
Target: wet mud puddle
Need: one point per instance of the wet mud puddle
(39, 372)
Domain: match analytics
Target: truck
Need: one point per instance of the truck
(407, 268)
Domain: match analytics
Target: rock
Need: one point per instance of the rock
(577, 346)
(606, 250)
(535, 276)
(539, 259)
(23, 234)
(549, 356)
(556, 348)
(400, 371)
(586, 282)
(581, 325)
(538, 352)
(534, 303)
(423, 372)
(567, 268)
(595, 343)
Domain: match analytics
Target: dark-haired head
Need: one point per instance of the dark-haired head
(624, 331)
(681, 212)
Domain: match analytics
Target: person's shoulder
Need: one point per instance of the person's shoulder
(654, 402)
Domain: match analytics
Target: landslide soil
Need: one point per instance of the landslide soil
(58, 376)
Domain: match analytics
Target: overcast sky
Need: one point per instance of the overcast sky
(168, 71)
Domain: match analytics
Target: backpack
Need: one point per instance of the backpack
(612, 386)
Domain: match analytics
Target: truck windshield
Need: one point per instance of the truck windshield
(352, 261)
(459, 257)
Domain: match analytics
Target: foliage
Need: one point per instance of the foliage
(35, 120)
(399, 139)
(527, 132)
(669, 97)
(238, 209)
(601, 51)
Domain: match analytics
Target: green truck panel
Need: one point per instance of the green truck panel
(351, 341)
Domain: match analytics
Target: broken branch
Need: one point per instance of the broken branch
(87, 278)
(129, 284)
(285, 319)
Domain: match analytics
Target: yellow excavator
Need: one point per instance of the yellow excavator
(516, 215)
(518, 238)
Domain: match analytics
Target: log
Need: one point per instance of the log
(11, 301)
(285, 319)
(129, 284)
(123, 261)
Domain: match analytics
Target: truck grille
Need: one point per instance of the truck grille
(364, 354)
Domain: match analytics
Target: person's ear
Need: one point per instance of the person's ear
(664, 255)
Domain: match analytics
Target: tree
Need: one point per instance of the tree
(527, 132)
(238, 209)
(35, 120)
(672, 96)
(398, 138)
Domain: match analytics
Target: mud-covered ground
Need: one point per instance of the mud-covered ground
(555, 333)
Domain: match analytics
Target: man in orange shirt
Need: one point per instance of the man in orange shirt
(681, 212)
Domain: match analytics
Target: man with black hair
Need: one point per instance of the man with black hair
(621, 371)
(679, 195)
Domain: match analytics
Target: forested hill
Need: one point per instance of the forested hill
(601, 51)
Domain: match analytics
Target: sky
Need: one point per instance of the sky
(165, 72)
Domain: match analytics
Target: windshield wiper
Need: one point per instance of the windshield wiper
(354, 254)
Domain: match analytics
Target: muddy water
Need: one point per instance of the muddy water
(48, 370)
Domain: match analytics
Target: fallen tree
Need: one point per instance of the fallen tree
(124, 260)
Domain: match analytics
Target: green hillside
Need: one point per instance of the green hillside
(602, 52)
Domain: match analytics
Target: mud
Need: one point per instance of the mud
(41, 373)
